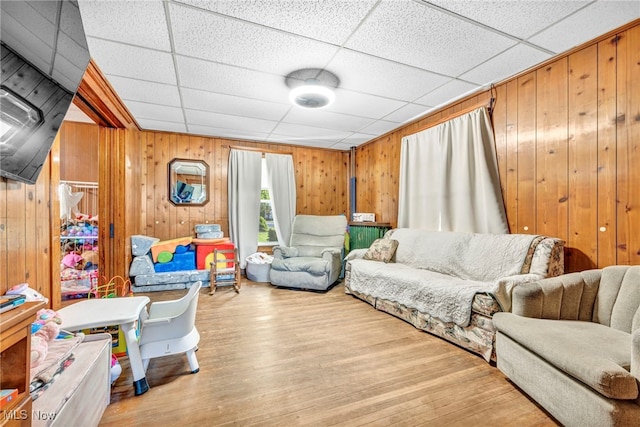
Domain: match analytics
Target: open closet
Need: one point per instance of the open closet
(79, 221)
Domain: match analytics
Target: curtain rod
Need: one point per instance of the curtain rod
(263, 151)
(455, 114)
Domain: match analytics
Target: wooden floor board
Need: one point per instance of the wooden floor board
(278, 357)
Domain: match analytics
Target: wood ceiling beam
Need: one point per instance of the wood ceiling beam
(98, 100)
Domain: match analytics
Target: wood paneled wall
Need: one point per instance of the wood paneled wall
(27, 237)
(568, 146)
(321, 176)
(138, 185)
(79, 152)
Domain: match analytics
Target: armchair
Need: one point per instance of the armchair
(313, 259)
(572, 343)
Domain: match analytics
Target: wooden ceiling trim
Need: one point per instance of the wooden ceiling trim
(98, 100)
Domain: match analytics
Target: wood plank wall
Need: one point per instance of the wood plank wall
(79, 152)
(138, 169)
(568, 146)
(26, 235)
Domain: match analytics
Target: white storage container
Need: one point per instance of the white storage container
(258, 267)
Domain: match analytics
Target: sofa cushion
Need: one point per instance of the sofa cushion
(443, 296)
(382, 250)
(592, 353)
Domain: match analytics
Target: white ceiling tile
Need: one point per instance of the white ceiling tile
(148, 124)
(155, 112)
(233, 105)
(519, 18)
(363, 105)
(230, 80)
(448, 92)
(144, 91)
(28, 45)
(421, 36)
(510, 62)
(134, 62)
(329, 21)
(405, 59)
(69, 18)
(67, 73)
(141, 23)
(379, 127)
(326, 119)
(226, 121)
(408, 112)
(259, 48)
(293, 130)
(357, 139)
(590, 22)
(28, 33)
(377, 76)
(47, 9)
(30, 20)
(228, 133)
(341, 146)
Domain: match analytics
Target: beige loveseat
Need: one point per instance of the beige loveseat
(572, 343)
(450, 284)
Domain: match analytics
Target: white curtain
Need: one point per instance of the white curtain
(243, 187)
(281, 179)
(449, 178)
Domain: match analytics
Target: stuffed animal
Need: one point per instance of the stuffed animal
(39, 350)
(47, 328)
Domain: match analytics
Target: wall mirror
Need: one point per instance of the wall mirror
(188, 182)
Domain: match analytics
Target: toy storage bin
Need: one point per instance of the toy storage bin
(258, 267)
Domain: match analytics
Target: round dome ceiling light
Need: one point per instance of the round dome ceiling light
(312, 87)
(312, 95)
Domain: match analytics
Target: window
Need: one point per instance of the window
(266, 231)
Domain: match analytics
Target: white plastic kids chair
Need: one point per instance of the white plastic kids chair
(169, 328)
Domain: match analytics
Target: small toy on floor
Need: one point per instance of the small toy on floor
(116, 368)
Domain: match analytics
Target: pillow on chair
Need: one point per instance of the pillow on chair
(382, 250)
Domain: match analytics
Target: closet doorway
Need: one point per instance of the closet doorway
(78, 191)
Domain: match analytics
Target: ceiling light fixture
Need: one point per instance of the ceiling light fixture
(312, 87)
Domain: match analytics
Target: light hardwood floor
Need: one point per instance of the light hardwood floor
(276, 357)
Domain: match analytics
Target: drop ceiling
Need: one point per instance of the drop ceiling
(218, 67)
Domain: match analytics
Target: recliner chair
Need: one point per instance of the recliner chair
(313, 259)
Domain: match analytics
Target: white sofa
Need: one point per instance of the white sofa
(450, 284)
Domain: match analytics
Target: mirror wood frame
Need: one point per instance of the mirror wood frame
(187, 190)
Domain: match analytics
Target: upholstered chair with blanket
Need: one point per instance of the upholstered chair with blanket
(313, 259)
(572, 343)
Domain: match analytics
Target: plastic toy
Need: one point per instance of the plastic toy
(30, 294)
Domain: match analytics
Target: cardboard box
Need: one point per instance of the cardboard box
(364, 217)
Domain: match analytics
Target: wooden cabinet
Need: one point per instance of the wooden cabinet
(15, 361)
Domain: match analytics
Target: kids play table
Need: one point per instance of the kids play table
(101, 312)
